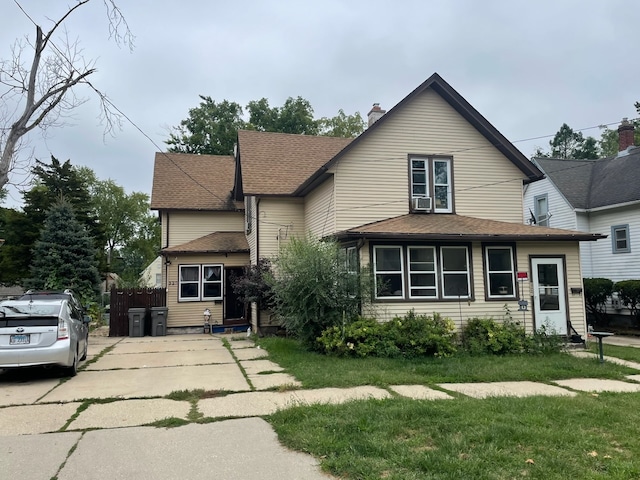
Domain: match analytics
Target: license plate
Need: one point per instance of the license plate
(19, 339)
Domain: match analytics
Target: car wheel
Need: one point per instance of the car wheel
(86, 348)
(72, 370)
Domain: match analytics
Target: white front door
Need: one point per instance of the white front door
(549, 299)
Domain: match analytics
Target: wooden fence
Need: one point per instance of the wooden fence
(122, 299)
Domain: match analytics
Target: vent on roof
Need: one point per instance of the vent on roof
(421, 204)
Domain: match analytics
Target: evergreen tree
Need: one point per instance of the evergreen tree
(64, 256)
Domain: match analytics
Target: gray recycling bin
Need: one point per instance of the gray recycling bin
(136, 321)
(159, 321)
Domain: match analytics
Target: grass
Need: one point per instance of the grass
(626, 353)
(586, 437)
(317, 371)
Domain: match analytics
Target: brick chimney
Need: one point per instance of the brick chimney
(375, 114)
(625, 134)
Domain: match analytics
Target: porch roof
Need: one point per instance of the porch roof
(451, 227)
(217, 242)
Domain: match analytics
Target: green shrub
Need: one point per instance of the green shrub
(629, 292)
(422, 335)
(409, 336)
(596, 293)
(486, 336)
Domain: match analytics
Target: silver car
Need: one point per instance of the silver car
(51, 332)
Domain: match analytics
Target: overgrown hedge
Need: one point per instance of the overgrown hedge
(434, 336)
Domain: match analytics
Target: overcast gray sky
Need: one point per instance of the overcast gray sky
(527, 66)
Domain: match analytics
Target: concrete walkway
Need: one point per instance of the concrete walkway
(127, 384)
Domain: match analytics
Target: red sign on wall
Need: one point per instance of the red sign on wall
(523, 276)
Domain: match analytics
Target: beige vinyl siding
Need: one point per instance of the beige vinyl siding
(185, 226)
(189, 314)
(372, 180)
(163, 228)
(280, 219)
(319, 211)
(252, 237)
(461, 312)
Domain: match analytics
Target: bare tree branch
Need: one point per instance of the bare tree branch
(40, 94)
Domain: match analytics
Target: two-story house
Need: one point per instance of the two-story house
(430, 196)
(596, 196)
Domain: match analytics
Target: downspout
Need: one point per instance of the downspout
(257, 216)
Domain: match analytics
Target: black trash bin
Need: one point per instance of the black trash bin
(159, 321)
(136, 321)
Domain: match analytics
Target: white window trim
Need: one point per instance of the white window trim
(211, 282)
(489, 272)
(449, 209)
(614, 244)
(426, 175)
(454, 272)
(200, 282)
(435, 273)
(388, 272)
(181, 282)
(542, 218)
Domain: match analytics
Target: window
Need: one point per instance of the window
(422, 272)
(429, 272)
(437, 186)
(200, 282)
(620, 239)
(541, 205)
(442, 185)
(212, 282)
(387, 264)
(455, 272)
(499, 268)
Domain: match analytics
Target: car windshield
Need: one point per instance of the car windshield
(29, 310)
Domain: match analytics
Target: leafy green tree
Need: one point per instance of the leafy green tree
(610, 140)
(137, 252)
(120, 215)
(13, 229)
(570, 144)
(342, 125)
(211, 128)
(315, 287)
(64, 256)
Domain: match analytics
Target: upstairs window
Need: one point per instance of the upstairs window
(541, 204)
(620, 239)
(431, 184)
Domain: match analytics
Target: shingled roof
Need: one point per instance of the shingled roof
(217, 242)
(458, 227)
(184, 181)
(278, 163)
(588, 184)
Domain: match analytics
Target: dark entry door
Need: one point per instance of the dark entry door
(233, 307)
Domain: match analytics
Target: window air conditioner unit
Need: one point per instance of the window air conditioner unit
(421, 204)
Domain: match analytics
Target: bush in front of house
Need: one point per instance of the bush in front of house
(409, 336)
(487, 336)
(596, 293)
(629, 294)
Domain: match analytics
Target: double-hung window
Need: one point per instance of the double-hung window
(500, 271)
(389, 272)
(200, 282)
(541, 204)
(431, 180)
(455, 272)
(422, 272)
(620, 239)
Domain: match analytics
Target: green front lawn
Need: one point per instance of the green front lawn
(626, 353)
(588, 436)
(317, 371)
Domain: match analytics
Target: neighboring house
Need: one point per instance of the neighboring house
(152, 275)
(430, 196)
(596, 196)
(8, 293)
